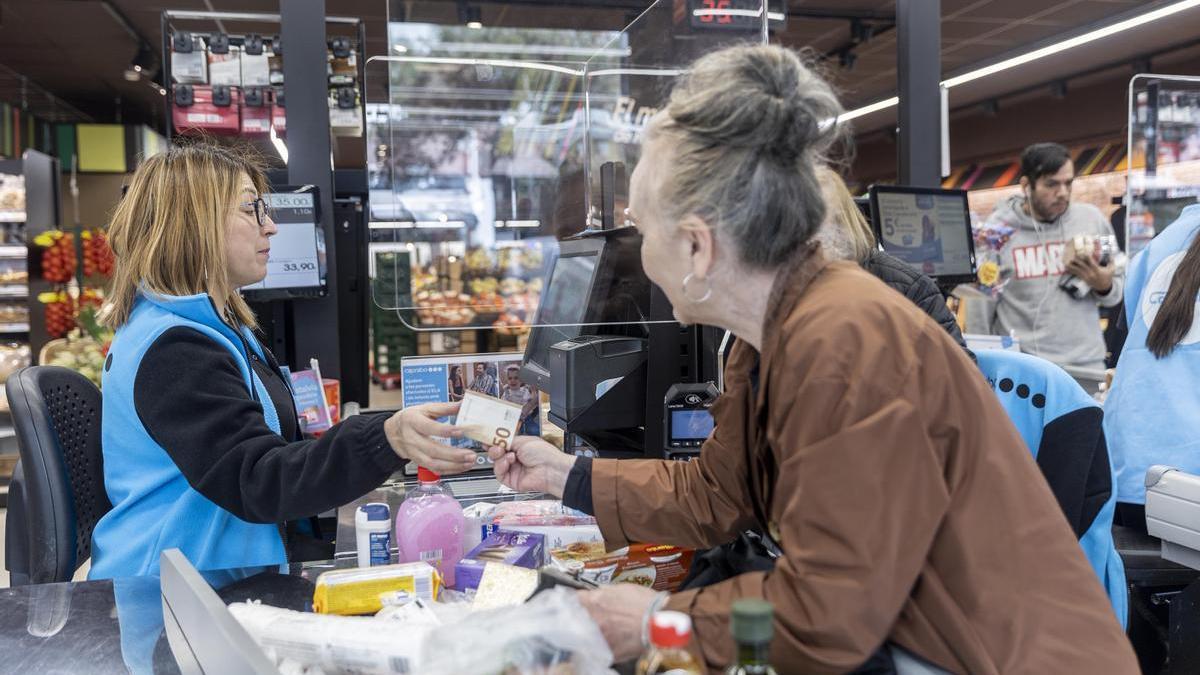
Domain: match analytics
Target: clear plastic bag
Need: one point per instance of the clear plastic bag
(552, 634)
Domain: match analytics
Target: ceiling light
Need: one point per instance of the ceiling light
(477, 25)
(400, 49)
(1022, 59)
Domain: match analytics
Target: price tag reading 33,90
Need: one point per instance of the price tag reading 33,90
(488, 420)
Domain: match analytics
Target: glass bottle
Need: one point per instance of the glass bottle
(753, 625)
(670, 633)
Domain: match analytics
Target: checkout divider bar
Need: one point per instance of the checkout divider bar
(203, 635)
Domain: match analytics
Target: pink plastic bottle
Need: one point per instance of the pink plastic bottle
(429, 526)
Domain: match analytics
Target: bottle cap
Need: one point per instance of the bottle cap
(426, 476)
(670, 630)
(375, 511)
(753, 621)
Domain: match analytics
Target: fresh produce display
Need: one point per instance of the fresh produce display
(500, 288)
(58, 255)
(85, 346)
(60, 312)
(81, 353)
(98, 257)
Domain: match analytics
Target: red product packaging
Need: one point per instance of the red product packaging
(256, 112)
(656, 566)
(333, 396)
(203, 114)
(278, 112)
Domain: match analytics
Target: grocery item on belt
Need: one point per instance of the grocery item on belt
(504, 586)
(539, 512)
(488, 420)
(358, 591)
(660, 567)
(333, 644)
(520, 549)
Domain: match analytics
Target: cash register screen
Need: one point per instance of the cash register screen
(562, 306)
(691, 425)
(927, 228)
(296, 259)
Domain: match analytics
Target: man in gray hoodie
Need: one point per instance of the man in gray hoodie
(1051, 305)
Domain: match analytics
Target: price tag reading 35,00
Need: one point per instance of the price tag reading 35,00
(488, 420)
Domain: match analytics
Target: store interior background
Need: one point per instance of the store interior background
(65, 62)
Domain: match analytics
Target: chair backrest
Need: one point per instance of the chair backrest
(56, 415)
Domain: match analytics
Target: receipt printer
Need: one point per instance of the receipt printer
(1173, 513)
(598, 382)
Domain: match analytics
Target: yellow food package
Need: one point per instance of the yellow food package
(358, 591)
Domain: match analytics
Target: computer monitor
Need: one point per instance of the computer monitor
(297, 267)
(596, 287)
(928, 228)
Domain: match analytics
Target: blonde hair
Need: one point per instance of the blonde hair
(168, 231)
(846, 232)
(746, 127)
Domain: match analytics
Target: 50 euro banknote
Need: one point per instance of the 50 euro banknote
(488, 420)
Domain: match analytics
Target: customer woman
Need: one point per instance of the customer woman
(1151, 415)
(202, 447)
(846, 235)
(852, 429)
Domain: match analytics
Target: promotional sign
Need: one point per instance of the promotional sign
(447, 379)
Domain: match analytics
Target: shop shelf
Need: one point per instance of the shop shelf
(9, 328)
(12, 216)
(15, 290)
(13, 251)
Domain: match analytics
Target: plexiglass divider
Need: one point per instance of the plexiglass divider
(1163, 158)
(489, 148)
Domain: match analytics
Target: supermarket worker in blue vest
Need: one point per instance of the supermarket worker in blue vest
(1152, 414)
(202, 447)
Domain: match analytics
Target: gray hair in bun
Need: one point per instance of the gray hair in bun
(747, 127)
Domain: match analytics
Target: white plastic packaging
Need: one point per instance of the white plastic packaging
(336, 644)
(373, 534)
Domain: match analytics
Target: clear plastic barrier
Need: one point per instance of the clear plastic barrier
(1163, 160)
(488, 148)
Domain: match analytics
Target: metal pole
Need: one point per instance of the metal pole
(315, 324)
(919, 37)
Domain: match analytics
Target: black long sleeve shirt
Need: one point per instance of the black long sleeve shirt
(192, 400)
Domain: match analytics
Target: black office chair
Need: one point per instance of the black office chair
(57, 494)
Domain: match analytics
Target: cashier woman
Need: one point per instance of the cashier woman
(853, 430)
(202, 448)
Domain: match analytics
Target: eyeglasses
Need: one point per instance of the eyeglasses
(260, 210)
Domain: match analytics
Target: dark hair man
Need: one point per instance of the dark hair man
(1058, 271)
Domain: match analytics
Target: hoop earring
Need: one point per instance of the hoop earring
(707, 289)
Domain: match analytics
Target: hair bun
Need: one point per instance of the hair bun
(758, 97)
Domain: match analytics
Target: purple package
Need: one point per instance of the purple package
(520, 549)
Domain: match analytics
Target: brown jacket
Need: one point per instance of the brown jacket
(906, 505)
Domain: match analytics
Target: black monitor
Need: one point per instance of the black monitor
(928, 228)
(595, 287)
(297, 267)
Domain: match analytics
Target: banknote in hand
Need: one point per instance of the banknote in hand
(488, 420)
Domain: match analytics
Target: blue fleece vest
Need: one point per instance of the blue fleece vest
(1035, 393)
(1152, 414)
(154, 507)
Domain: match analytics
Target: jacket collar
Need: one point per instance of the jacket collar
(792, 282)
(201, 309)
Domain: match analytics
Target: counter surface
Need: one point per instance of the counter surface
(116, 626)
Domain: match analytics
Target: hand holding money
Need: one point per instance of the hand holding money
(488, 420)
(530, 464)
(411, 433)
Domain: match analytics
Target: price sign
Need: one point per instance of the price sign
(744, 15)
